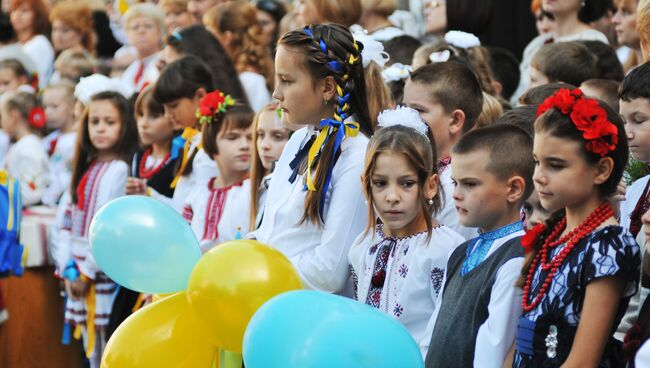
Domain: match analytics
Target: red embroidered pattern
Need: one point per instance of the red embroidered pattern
(214, 211)
(146, 173)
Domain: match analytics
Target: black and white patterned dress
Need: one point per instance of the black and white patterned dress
(545, 334)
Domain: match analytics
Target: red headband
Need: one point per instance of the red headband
(587, 116)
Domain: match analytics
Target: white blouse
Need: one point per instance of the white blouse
(27, 162)
(254, 86)
(60, 165)
(218, 215)
(40, 50)
(632, 196)
(319, 253)
(414, 272)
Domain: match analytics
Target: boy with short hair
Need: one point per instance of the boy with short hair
(477, 316)
(634, 102)
(568, 62)
(449, 99)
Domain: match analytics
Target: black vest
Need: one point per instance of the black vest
(162, 179)
(465, 306)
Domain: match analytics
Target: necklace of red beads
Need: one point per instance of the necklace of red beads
(146, 174)
(592, 222)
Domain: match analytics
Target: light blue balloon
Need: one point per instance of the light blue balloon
(311, 329)
(143, 245)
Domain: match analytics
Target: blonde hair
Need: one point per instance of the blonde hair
(78, 16)
(343, 12)
(146, 10)
(492, 110)
(381, 7)
(246, 49)
(78, 59)
(66, 86)
(179, 5)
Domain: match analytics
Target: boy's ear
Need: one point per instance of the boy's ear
(516, 189)
(431, 187)
(457, 122)
(604, 170)
(200, 93)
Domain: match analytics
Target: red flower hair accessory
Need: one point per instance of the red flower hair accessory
(36, 117)
(215, 102)
(531, 236)
(587, 116)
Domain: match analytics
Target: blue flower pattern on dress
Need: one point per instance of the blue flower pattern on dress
(398, 310)
(403, 270)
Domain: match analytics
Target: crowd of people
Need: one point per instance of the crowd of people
(493, 198)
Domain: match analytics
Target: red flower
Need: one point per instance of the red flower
(587, 116)
(36, 118)
(211, 102)
(528, 241)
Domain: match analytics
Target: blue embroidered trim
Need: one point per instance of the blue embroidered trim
(480, 245)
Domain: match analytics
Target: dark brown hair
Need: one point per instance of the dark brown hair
(418, 152)
(537, 95)
(340, 48)
(568, 62)
(454, 86)
(145, 101)
(85, 153)
(239, 116)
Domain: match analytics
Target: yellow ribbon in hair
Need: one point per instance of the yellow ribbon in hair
(351, 130)
(188, 133)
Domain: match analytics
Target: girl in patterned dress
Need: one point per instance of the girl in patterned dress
(398, 266)
(218, 211)
(106, 141)
(582, 267)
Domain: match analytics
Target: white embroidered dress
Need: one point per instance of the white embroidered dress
(60, 165)
(104, 182)
(27, 162)
(218, 215)
(403, 276)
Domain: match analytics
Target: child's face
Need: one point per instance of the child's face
(562, 176)
(301, 98)
(9, 81)
(537, 78)
(104, 125)
(271, 138)
(395, 194)
(535, 213)
(58, 108)
(144, 35)
(636, 114)
(435, 16)
(176, 18)
(479, 196)
(154, 129)
(182, 112)
(234, 150)
(417, 96)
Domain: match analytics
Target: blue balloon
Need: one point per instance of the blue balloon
(311, 329)
(143, 245)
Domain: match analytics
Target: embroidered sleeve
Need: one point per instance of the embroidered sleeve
(188, 213)
(613, 252)
(437, 275)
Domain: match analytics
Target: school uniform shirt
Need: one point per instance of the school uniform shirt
(496, 334)
(261, 197)
(60, 148)
(448, 215)
(140, 72)
(319, 253)
(203, 169)
(103, 182)
(254, 86)
(642, 358)
(218, 215)
(412, 267)
(27, 162)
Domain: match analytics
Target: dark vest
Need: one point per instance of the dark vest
(465, 306)
(162, 179)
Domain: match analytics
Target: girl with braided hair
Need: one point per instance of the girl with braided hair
(314, 207)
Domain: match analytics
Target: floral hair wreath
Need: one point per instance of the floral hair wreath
(215, 102)
(587, 116)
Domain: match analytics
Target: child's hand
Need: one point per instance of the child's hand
(78, 288)
(135, 186)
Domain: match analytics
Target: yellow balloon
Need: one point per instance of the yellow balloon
(231, 281)
(162, 334)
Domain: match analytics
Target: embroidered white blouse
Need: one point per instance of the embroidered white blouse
(414, 271)
(497, 334)
(632, 196)
(218, 215)
(27, 162)
(320, 254)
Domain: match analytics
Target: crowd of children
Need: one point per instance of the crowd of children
(501, 225)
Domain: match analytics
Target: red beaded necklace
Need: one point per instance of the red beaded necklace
(592, 222)
(146, 174)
